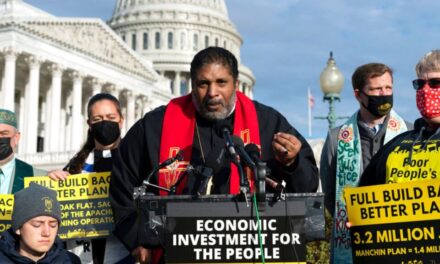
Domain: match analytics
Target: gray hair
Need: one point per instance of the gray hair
(429, 62)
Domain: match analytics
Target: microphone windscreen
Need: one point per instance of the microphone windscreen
(179, 156)
(238, 142)
(222, 125)
(252, 150)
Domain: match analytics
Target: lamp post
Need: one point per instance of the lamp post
(331, 82)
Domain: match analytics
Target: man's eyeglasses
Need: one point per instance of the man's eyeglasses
(433, 83)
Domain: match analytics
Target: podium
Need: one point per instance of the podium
(226, 229)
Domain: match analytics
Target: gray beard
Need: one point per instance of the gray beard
(225, 112)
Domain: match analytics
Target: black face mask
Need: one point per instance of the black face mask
(5, 148)
(379, 105)
(105, 132)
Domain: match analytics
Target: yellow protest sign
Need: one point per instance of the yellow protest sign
(395, 222)
(6, 204)
(393, 203)
(85, 208)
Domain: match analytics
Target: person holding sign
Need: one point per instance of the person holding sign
(105, 121)
(349, 148)
(12, 169)
(36, 218)
(414, 155)
(192, 130)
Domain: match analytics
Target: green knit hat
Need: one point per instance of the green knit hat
(8, 117)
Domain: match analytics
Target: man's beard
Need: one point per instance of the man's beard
(224, 112)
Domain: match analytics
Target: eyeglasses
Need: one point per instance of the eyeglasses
(433, 83)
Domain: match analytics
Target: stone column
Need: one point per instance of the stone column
(54, 122)
(8, 92)
(113, 90)
(77, 124)
(130, 110)
(145, 105)
(31, 105)
(139, 40)
(176, 88)
(189, 84)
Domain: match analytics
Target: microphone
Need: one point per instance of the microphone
(224, 130)
(254, 152)
(146, 182)
(239, 146)
(214, 163)
(260, 171)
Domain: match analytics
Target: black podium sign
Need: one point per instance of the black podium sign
(223, 229)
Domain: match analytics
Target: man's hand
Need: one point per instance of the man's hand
(58, 175)
(286, 147)
(141, 255)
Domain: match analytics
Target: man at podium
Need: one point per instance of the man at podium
(193, 132)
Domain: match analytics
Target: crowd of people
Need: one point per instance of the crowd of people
(194, 125)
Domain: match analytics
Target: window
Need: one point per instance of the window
(216, 42)
(145, 41)
(195, 42)
(123, 38)
(157, 40)
(170, 40)
(206, 41)
(224, 44)
(133, 41)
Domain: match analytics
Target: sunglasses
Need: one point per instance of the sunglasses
(433, 83)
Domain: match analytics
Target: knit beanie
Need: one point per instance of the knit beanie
(36, 200)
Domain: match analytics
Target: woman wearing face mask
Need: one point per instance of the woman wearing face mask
(414, 155)
(105, 122)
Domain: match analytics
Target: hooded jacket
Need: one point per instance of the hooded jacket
(56, 255)
(413, 155)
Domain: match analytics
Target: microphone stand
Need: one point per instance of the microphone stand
(142, 190)
(260, 173)
(244, 184)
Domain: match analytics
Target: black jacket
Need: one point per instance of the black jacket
(56, 255)
(138, 154)
(413, 155)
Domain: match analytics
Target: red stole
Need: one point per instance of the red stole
(178, 134)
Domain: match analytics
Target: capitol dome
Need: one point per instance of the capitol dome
(170, 32)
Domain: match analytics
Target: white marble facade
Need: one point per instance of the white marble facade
(50, 66)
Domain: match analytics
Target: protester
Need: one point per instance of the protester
(190, 124)
(414, 155)
(12, 169)
(349, 148)
(36, 218)
(105, 122)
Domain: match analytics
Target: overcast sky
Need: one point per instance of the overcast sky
(287, 44)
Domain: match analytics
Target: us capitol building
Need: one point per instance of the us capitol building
(50, 66)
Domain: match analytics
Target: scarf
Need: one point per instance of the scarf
(178, 134)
